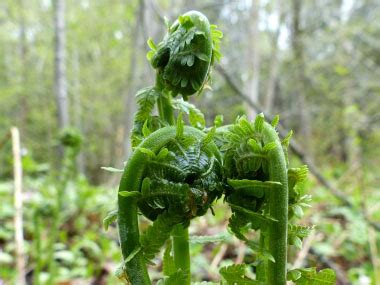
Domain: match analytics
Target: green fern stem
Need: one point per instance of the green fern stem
(165, 109)
(180, 235)
(135, 269)
(278, 209)
(135, 265)
(181, 252)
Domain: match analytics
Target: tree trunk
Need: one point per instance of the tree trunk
(300, 79)
(23, 49)
(130, 87)
(254, 52)
(77, 107)
(274, 66)
(60, 65)
(130, 105)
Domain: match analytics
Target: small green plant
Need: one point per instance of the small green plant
(177, 171)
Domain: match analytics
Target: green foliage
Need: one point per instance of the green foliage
(109, 219)
(146, 99)
(105, 64)
(210, 239)
(82, 248)
(196, 117)
(216, 36)
(310, 276)
(236, 274)
(178, 277)
(168, 260)
(70, 137)
(296, 233)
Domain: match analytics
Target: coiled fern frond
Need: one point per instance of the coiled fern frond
(174, 175)
(182, 177)
(184, 57)
(246, 164)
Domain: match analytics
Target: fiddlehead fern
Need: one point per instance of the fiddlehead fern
(256, 166)
(183, 62)
(176, 173)
(264, 196)
(184, 57)
(173, 176)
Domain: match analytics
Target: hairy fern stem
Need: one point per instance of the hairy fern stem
(181, 251)
(278, 209)
(165, 109)
(180, 234)
(135, 266)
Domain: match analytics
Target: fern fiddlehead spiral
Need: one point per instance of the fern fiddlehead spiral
(257, 174)
(263, 193)
(174, 173)
(184, 57)
(183, 61)
(172, 177)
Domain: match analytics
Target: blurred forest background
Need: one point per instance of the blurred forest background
(78, 64)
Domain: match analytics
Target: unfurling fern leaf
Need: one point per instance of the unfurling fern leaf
(172, 176)
(156, 235)
(236, 274)
(310, 276)
(146, 100)
(196, 117)
(185, 182)
(296, 233)
(177, 278)
(184, 56)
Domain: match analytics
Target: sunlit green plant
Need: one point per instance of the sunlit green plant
(176, 172)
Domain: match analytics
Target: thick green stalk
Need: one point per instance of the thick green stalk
(180, 235)
(278, 209)
(165, 109)
(135, 269)
(181, 251)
